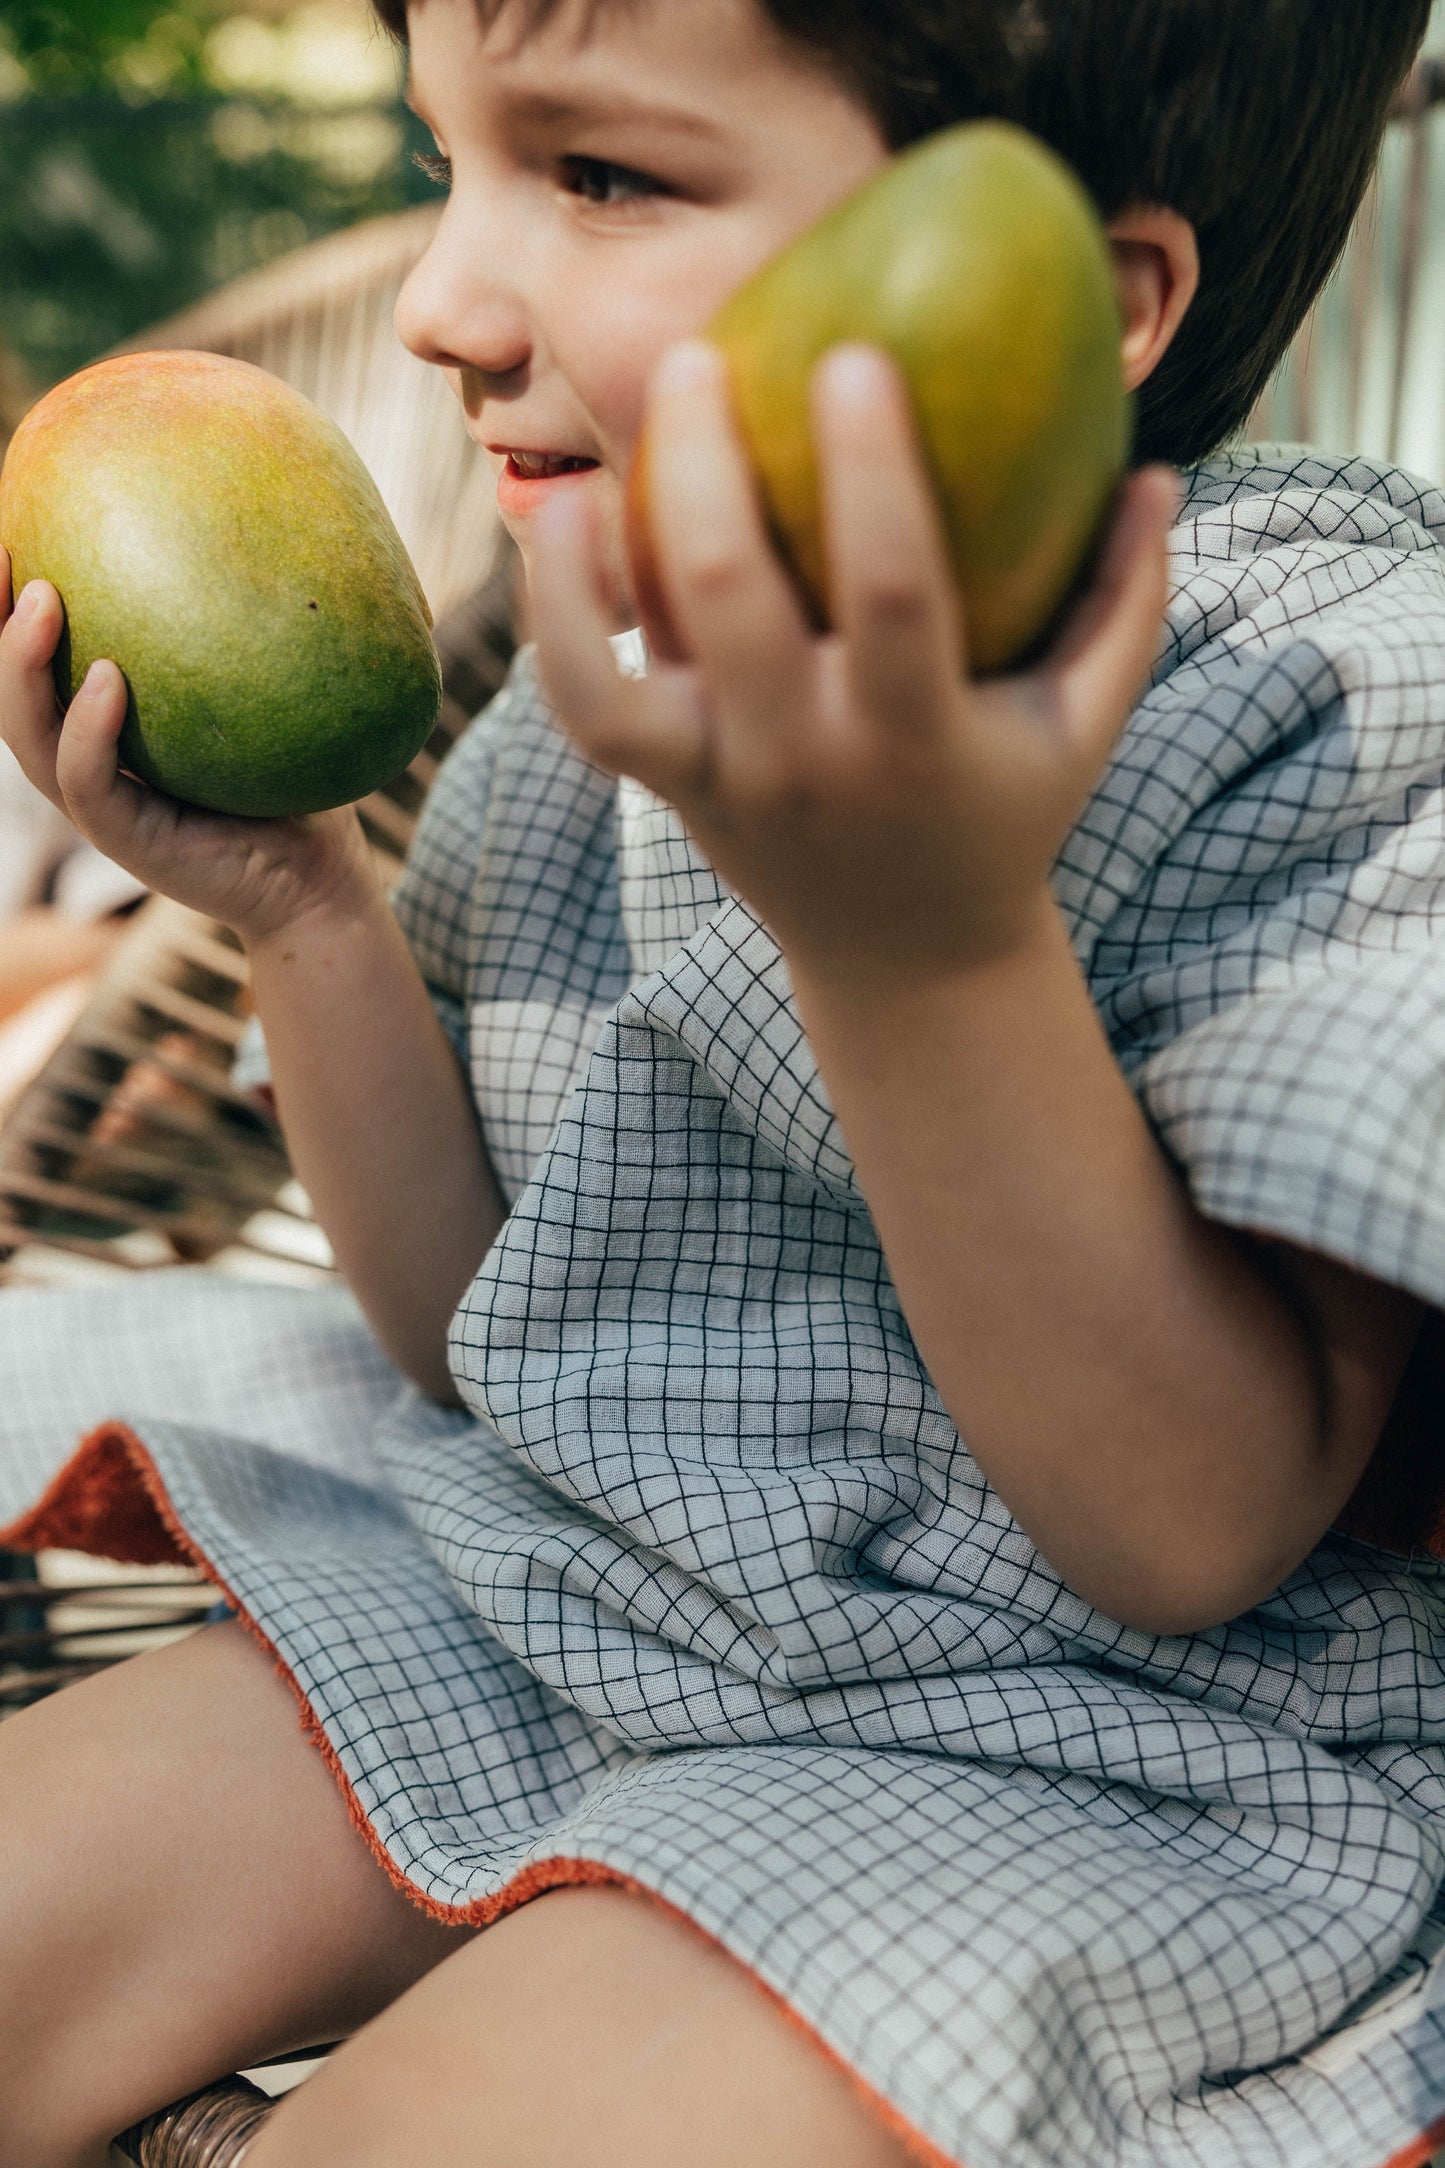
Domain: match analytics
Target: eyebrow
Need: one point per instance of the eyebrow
(546, 110)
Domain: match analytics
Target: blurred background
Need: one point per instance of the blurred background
(235, 176)
(152, 150)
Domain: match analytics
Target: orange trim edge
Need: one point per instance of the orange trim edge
(110, 1499)
(1424, 2149)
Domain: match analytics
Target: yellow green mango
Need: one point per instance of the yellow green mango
(220, 540)
(977, 261)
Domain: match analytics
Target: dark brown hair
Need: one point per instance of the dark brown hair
(1257, 120)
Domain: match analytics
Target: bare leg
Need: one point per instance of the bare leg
(594, 2027)
(181, 1893)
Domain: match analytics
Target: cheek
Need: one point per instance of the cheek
(613, 371)
(614, 345)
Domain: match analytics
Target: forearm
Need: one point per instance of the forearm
(1137, 1386)
(379, 1121)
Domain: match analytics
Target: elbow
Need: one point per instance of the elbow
(427, 1368)
(438, 1385)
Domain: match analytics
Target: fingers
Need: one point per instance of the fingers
(85, 757)
(738, 613)
(71, 758)
(645, 728)
(104, 805)
(891, 586)
(1108, 648)
(29, 709)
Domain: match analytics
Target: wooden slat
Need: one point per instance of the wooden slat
(226, 1182)
(94, 1204)
(200, 1017)
(201, 946)
(40, 1641)
(424, 769)
(113, 1039)
(21, 1687)
(45, 1595)
(389, 818)
(15, 1237)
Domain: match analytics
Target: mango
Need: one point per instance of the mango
(976, 260)
(219, 539)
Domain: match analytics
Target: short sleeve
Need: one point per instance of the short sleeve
(1313, 1109)
(1269, 946)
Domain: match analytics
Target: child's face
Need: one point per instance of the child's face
(611, 184)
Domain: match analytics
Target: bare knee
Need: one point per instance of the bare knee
(592, 2025)
(184, 1893)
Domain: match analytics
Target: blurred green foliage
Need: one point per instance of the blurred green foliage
(83, 43)
(132, 182)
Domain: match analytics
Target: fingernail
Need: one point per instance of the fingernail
(857, 375)
(28, 603)
(95, 678)
(688, 366)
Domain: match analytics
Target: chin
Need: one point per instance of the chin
(614, 579)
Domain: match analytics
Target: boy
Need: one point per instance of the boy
(1075, 1785)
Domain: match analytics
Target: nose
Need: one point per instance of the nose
(458, 308)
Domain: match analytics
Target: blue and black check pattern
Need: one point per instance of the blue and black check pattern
(704, 1587)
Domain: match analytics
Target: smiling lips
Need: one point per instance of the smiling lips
(545, 466)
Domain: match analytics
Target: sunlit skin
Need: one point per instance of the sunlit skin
(1195, 1422)
(608, 192)
(610, 184)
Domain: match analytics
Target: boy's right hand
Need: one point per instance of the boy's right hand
(256, 876)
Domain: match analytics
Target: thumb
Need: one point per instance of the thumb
(97, 798)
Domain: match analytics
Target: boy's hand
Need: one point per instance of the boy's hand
(255, 876)
(886, 816)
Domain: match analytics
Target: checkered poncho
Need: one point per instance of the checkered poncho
(706, 1593)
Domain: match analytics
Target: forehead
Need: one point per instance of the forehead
(737, 35)
(524, 18)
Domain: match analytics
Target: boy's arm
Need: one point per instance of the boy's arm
(379, 1120)
(1174, 1413)
(378, 1115)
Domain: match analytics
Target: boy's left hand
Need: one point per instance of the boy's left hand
(887, 816)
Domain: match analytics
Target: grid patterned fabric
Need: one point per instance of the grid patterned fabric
(705, 1588)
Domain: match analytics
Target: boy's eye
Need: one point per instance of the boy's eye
(435, 169)
(598, 180)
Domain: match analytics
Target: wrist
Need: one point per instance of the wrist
(333, 886)
(1008, 955)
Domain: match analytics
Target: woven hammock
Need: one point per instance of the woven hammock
(130, 1147)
